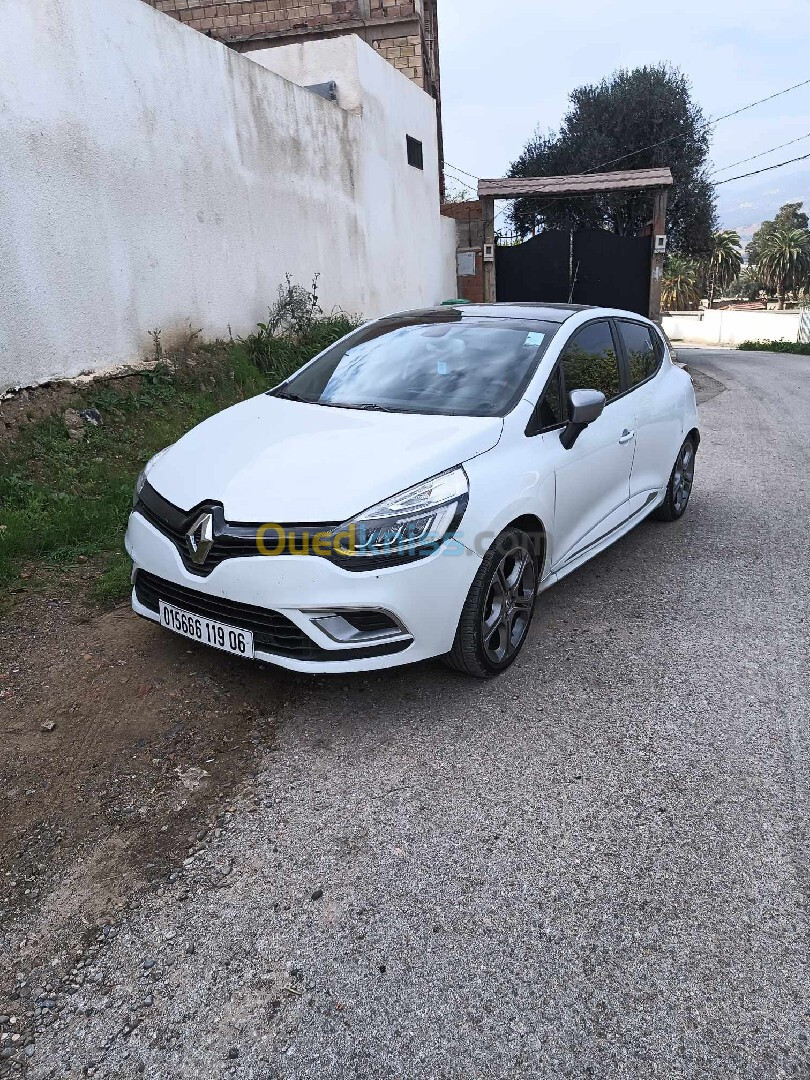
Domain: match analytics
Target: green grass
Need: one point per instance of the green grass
(61, 500)
(800, 347)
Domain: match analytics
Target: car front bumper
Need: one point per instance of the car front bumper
(424, 597)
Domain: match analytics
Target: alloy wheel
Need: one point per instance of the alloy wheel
(683, 477)
(508, 606)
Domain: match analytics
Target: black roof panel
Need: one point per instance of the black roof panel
(555, 313)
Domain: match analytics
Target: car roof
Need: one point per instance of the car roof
(554, 313)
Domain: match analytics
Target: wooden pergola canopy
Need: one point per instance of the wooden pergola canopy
(577, 184)
(657, 181)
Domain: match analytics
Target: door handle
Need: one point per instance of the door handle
(626, 437)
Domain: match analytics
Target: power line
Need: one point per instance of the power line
(708, 124)
(763, 153)
(671, 138)
(463, 171)
(458, 180)
(768, 168)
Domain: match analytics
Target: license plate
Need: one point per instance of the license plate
(216, 634)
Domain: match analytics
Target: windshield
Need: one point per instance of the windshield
(442, 364)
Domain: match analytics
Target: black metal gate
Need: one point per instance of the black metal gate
(588, 267)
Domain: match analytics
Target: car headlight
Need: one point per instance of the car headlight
(142, 475)
(406, 526)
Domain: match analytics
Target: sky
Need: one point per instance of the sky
(507, 68)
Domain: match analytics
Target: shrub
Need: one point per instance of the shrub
(295, 331)
(800, 347)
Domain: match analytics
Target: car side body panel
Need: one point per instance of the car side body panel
(665, 412)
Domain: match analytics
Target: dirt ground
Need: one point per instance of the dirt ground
(119, 747)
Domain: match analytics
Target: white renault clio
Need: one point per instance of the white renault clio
(409, 492)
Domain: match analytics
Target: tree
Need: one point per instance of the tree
(679, 288)
(724, 262)
(784, 260)
(749, 284)
(649, 111)
(790, 216)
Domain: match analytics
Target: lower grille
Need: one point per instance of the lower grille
(272, 631)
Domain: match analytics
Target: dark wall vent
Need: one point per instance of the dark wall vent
(415, 155)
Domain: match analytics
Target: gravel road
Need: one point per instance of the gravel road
(595, 867)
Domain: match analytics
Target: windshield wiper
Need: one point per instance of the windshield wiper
(294, 397)
(366, 406)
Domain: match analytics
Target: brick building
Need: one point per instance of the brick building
(405, 32)
(469, 218)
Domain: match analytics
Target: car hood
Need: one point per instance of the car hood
(270, 459)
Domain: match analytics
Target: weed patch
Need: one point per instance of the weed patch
(63, 500)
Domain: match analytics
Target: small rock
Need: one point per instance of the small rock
(48, 725)
(317, 895)
(74, 424)
(91, 416)
(233, 1053)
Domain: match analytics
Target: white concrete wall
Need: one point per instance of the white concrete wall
(152, 178)
(388, 107)
(732, 327)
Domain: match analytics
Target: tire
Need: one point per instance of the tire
(680, 483)
(498, 610)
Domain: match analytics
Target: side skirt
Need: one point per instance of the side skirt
(596, 546)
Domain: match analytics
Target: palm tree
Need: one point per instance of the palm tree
(785, 261)
(679, 289)
(749, 283)
(724, 262)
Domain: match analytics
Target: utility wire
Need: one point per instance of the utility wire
(472, 176)
(708, 124)
(768, 168)
(458, 180)
(671, 138)
(753, 157)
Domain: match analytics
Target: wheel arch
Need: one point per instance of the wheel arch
(533, 527)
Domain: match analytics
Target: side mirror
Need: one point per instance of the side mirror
(584, 406)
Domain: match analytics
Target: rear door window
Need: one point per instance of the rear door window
(643, 348)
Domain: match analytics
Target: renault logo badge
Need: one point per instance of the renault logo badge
(200, 538)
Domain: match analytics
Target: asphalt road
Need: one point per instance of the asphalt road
(595, 867)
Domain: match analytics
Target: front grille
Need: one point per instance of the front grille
(272, 631)
(231, 541)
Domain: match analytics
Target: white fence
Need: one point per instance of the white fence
(732, 327)
(151, 178)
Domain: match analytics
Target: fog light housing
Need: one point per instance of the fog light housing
(356, 626)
